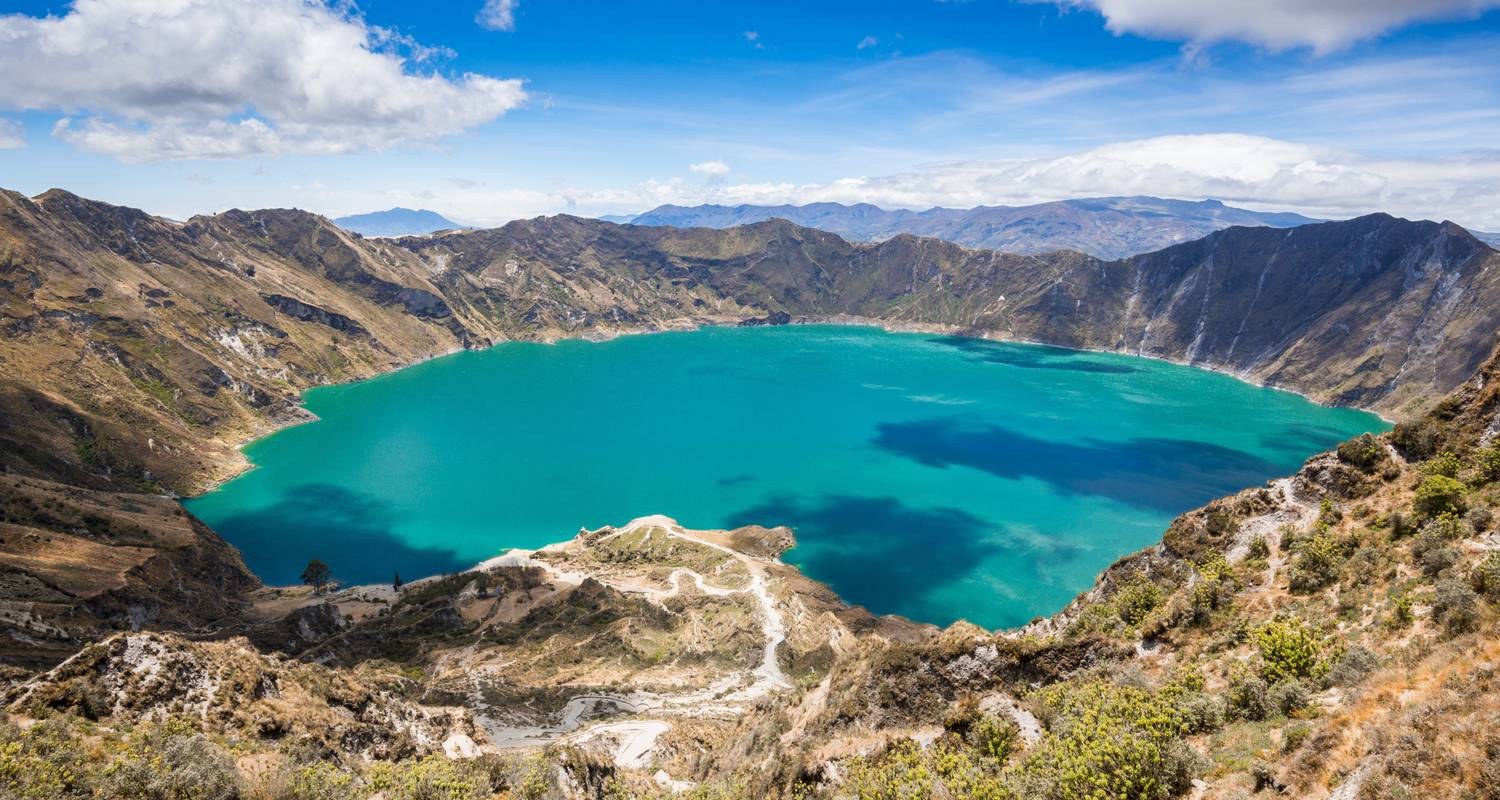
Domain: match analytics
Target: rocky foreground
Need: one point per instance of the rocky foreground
(1322, 636)
(637, 650)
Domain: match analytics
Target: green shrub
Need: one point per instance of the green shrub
(1487, 463)
(1354, 665)
(170, 763)
(1438, 495)
(319, 781)
(1364, 452)
(1416, 440)
(1455, 605)
(432, 778)
(1446, 464)
(1259, 549)
(993, 738)
(42, 763)
(1095, 618)
(1433, 554)
(1448, 527)
(902, 772)
(1221, 523)
(1248, 698)
(1110, 741)
(1479, 518)
(1317, 563)
(1287, 698)
(1401, 611)
(1136, 598)
(1485, 577)
(1365, 561)
(1328, 515)
(1202, 713)
(1214, 587)
(1289, 649)
(1294, 736)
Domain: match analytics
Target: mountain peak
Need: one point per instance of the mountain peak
(396, 221)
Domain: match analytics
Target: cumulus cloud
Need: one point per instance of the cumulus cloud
(11, 136)
(147, 80)
(1277, 24)
(498, 15)
(713, 169)
(868, 41)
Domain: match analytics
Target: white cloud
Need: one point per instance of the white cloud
(498, 15)
(166, 79)
(713, 169)
(1323, 25)
(868, 41)
(11, 135)
(1250, 171)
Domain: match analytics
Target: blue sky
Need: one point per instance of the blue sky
(544, 106)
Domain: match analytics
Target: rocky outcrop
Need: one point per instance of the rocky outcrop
(131, 679)
(77, 565)
(297, 309)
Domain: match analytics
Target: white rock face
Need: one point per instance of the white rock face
(459, 745)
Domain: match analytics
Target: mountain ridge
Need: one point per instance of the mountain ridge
(1105, 227)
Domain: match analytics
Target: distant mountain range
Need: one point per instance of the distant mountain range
(1107, 227)
(397, 222)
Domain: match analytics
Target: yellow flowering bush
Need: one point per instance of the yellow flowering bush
(1289, 650)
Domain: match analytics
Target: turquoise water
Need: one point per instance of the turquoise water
(935, 477)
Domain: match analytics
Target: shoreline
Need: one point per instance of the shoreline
(688, 324)
(967, 333)
(684, 325)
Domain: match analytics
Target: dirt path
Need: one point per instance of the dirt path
(632, 743)
(1294, 512)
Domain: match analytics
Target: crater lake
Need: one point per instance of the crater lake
(937, 477)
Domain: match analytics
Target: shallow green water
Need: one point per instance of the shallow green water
(934, 477)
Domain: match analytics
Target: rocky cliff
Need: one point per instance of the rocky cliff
(1376, 312)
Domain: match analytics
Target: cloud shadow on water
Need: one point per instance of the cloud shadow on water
(353, 533)
(892, 557)
(1169, 475)
(1030, 356)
